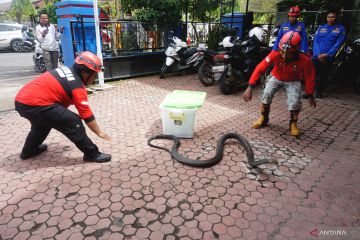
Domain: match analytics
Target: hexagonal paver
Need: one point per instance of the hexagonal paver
(144, 194)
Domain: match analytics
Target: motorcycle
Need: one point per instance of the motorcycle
(273, 35)
(38, 59)
(27, 45)
(241, 62)
(180, 57)
(212, 66)
(346, 65)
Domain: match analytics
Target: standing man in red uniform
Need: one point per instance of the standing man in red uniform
(290, 68)
(44, 102)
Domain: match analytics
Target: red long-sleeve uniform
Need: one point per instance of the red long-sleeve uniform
(297, 70)
(59, 86)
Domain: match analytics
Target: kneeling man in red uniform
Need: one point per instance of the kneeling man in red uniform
(44, 102)
(290, 68)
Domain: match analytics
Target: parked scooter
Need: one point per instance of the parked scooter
(212, 66)
(38, 59)
(27, 45)
(180, 57)
(273, 35)
(346, 65)
(242, 60)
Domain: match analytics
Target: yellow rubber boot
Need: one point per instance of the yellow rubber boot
(264, 117)
(294, 129)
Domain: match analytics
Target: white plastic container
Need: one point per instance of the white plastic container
(178, 122)
(178, 112)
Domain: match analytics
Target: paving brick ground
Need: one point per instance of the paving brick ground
(312, 182)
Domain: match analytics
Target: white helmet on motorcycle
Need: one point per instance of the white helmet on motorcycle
(258, 32)
(227, 42)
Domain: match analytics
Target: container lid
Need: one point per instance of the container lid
(184, 99)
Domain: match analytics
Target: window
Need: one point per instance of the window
(4, 28)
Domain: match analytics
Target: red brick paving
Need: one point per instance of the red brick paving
(143, 194)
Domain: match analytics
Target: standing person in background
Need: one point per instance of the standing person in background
(47, 35)
(293, 25)
(248, 23)
(327, 41)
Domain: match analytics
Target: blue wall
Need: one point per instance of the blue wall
(68, 10)
(237, 21)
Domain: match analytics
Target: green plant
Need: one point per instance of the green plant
(50, 9)
(128, 41)
(20, 9)
(310, 5)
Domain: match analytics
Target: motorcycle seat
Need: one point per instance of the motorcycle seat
(223, 52)
(189, 52)
(212, 52)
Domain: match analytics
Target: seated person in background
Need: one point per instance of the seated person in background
(26, 36)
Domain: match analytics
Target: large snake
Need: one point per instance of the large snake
(219, 150)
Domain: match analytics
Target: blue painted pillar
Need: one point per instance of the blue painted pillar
(84, 34)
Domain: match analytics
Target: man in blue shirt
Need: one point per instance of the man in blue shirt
(295, 26)
(327, 41)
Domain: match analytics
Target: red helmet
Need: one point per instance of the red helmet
(294, 11)
(90, 60)
(290, 42)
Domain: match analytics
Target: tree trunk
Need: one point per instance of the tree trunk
(18, 17)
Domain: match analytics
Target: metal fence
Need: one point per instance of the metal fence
(119, 38)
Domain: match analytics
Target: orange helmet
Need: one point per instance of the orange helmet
(290, 42)
(294, 11)
(90, 60)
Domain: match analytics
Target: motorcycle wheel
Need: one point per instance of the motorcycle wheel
(39, 66)
(16, 45)
(163, 71)
(225, 87)
(205, 74)
(25, 48)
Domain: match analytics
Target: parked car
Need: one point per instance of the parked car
(11, 36)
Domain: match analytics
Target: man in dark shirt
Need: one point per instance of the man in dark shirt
(44, 102)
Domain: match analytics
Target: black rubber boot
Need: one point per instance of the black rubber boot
(42, 148)
(100, 158)
(304, 96)
(319, 95)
